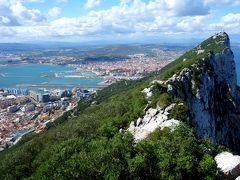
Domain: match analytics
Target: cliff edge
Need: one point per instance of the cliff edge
(209, 88)
(205, 79)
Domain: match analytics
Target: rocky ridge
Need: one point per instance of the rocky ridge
(212, 96)
(153, 119)
(209, 88)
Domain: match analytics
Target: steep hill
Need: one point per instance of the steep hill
(210, 90)
(198, 90)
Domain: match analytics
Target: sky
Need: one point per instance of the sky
(116, 20)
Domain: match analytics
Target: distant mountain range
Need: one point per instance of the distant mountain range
(82, 51)
(180, 41)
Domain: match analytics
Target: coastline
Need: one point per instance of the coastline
(62, 76)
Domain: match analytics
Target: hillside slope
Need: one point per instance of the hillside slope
(92, 142)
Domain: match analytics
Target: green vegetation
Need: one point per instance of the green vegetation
(164, 100)
(176, 155)
(90, 146)
(160, 96)
(87, 144)
(194, 56)
(180, 112)
(115, 107)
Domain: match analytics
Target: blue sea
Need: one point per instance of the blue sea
(10, 76)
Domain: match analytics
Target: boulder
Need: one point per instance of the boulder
(170, 107)
(228, 165)
(172, 124)
(153, 119)
(148, 92)
(139, 121)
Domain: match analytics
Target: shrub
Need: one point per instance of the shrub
(180, 112)
(164, 100)
(207, 167)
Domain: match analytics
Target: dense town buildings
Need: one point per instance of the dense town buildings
(21, 114)
(23, 110)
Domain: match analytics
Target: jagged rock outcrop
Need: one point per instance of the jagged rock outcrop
(212, 95)
(153, 119)
(148, 92)
(228, 165)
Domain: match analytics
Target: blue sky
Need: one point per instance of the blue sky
(116, 20)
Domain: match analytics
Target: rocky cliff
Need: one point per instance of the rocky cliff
(205, 79)
(209, 88)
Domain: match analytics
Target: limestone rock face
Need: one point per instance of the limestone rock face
(212, 96)
(228, 165)
(148, 92)
(153, 119)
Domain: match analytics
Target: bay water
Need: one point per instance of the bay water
(10, 76)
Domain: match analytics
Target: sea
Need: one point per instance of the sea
(11, 76)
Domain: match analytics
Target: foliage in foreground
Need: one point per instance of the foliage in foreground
(163, 155)
(89, 146)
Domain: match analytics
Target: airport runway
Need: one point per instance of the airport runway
(98, 86)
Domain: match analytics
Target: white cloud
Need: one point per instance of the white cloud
(28, 15)
(6, 13)
(187, 7)
(231, 18)
(18, 14)
(130, 18)
(125, 2)
(222, 2)
(4, 20)
(7, 32)
(54, 12)
(91, 4)
(195, 23)
(229, 22)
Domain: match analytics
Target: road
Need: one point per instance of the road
(52, 76)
